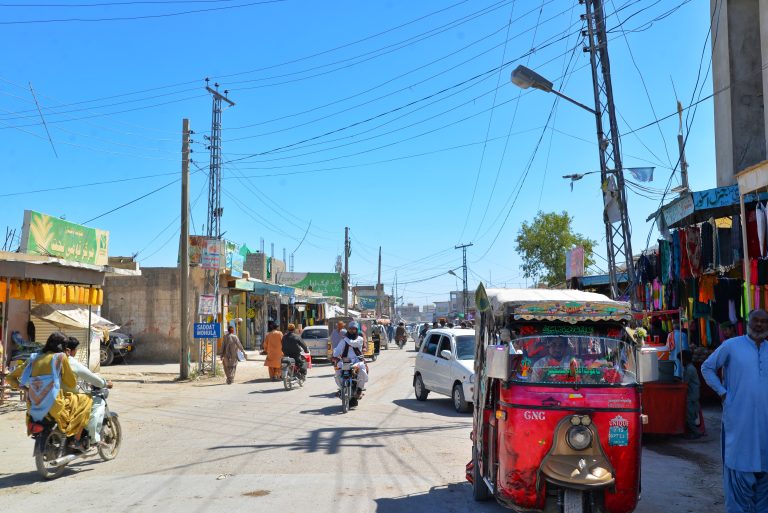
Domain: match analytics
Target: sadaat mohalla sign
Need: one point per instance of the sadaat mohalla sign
(50, 236)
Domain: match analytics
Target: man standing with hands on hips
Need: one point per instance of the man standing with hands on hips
(744, 392)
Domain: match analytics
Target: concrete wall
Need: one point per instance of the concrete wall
(740, 122)
(256, 265)
(148, 307)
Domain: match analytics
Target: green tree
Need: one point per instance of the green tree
(542, 245)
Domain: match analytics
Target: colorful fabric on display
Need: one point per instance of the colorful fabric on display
(737, 246)
(676, 255)
(753, 244)
(665, 254)
(707, 288)
(707, 247)
(685, 265)
(693, 247)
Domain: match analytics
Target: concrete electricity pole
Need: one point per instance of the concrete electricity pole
(346, 271)
(465, 293)
(379, 290)
(184, 357)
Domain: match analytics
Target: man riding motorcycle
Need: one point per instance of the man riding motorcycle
(351, 347)
(83, 373)
(401, 336)
(293, 347)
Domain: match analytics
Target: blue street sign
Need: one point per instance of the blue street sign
(207, 330)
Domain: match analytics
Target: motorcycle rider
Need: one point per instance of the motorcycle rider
(400, 335)
(44, 375)
(83, 373)
(292, 348)
(351, 347)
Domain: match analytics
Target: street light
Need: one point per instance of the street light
(463, 292)
(524, 78)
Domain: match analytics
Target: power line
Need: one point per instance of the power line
(144, 17)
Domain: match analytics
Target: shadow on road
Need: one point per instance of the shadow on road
(438, 406)
(331, 440)
(32, 477)
(453, 497)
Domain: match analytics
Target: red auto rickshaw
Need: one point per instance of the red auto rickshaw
(557, 420)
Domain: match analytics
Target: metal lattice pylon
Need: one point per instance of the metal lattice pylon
(618, 237)
(207, 352)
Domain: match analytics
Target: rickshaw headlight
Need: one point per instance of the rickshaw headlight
(579, 437)
(586, 421)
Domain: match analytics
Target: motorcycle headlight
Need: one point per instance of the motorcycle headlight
(579, 437)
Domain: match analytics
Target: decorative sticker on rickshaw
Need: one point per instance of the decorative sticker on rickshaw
(573, 311)
(567, 330)
(618, 431)
(524, 370)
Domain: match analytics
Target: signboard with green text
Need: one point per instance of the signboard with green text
(47, 235)
(328, 284)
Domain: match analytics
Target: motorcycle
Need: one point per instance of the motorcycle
(291, 373)
(348, 393)
(53, 450)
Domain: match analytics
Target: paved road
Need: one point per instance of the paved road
(206, 446)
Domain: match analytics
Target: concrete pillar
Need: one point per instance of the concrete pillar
(740, 124)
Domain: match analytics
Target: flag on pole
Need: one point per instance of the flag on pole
(641, 174)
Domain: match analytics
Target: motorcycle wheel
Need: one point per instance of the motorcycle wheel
(345, 398)
(288, 379)
(573, 501)
(374, 357)
(302, 379)
(111, 438)
(49, 447)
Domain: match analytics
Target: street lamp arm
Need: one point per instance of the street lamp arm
(568, 98)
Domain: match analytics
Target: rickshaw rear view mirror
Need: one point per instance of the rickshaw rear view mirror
(497, 359)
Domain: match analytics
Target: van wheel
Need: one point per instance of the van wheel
(419, 388)
(459, 403)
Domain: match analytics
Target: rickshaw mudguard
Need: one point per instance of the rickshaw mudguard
(529, 421)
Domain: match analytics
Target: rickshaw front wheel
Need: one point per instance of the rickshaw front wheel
(480, 491)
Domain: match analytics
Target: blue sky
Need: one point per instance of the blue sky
(378, 115)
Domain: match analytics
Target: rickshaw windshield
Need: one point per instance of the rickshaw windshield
(583, 360)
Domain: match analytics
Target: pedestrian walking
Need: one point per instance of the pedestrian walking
(693, 406)
(273, 346)
(231, 352)
(744, 361)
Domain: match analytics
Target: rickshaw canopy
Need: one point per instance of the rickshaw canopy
(565, 305)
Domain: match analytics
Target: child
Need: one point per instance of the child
(691, 378)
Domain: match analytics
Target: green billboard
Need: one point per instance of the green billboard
(50, 236)
(328, 284)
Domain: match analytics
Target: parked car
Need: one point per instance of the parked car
(119, 345)
(317, 340)
(445, 364)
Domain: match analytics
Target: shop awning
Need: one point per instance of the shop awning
(71, 316)
(697, 207)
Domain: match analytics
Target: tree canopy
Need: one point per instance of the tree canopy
(542, 245)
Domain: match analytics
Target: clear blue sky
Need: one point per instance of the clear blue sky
(418, 121)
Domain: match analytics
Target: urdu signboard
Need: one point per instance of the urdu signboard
(50, 236)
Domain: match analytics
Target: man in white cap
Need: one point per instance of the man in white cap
(351, 347)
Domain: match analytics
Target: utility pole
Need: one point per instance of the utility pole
(618, 237)
(346, 271)
(184, 357)
(395, 296)
(379, 290)
(465, 293)
(208, 361)
(681, 146)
